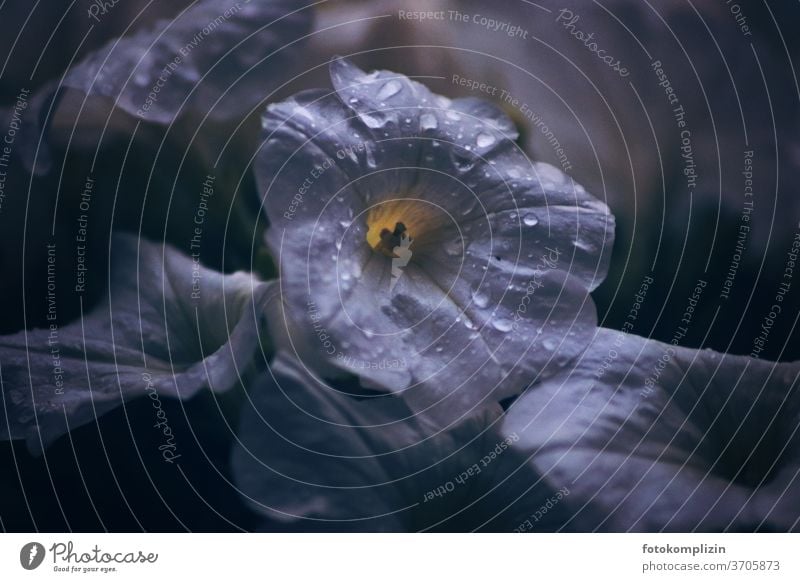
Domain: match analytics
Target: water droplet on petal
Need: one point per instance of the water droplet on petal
(503, 325)
(453, 115)
(428, 121)
(549, 344)
(484, 140)
(480, 299)
(530, 220)
(462, 161)
(390, 89)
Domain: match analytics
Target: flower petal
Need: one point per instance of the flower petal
(649, 436)
(316, 458)
(169, 325)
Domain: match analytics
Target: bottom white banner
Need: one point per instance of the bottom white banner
(370, 557)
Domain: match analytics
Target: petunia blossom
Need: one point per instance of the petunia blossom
(419, 248)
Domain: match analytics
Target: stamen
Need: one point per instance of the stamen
(395, 221)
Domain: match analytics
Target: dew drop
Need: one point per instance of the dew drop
(484, 140)
(530, 220)
(480, 299)
(549, 344)
(462, 162)
(453, 115)
(428, 121)
(503, 325)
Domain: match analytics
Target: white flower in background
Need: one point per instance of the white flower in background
(650, 436)
(505, 251)
(215, 60)
(168, 325)
(659, 438)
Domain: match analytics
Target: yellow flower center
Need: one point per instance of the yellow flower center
(390, 224)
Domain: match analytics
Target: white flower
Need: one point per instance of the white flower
(649, 436)
(503, 251)
(169, 325)
(654, 438)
